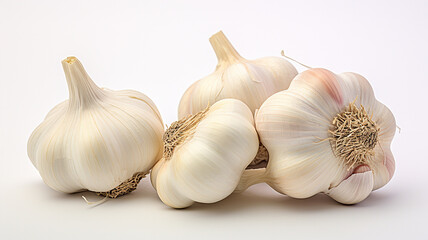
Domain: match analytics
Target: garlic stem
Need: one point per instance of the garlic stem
(251, 177)
(82, 89)
(223, 48)
(294, 60)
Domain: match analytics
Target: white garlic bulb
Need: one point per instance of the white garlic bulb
(251, 81)
(326, 133)
(99, 140)
(205, 154)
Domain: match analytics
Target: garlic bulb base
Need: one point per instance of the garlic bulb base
(354, 136)
(255, 171)
(262, 158)
(125, 187)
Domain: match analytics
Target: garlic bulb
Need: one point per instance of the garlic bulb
(99, 140)
(326, 133)
(205, 154)
(251, 81)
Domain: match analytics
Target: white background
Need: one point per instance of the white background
(160, 48)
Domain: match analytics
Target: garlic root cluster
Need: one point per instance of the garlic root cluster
(99, 140)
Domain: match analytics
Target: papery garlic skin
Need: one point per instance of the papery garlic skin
(355, 188)
(294, 127)
(207, 166)
(98, 138)
(251, 81)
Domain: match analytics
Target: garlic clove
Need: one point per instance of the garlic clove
(291, 127)
(355, 188)
(251, 81)
(299, 178)
(167, 188)
(383, 165)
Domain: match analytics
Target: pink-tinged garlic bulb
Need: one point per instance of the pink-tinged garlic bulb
(251, 81)
(326, 133)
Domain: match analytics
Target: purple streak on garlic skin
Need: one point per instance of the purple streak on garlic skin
(390, 165)
(357, 169)
(326, 80)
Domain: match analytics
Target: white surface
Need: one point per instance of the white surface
(160, 48)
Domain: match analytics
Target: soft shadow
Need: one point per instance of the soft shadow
(261, 196)
(144, 192)
(258, 197)
(378, 198)
(40, 189)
